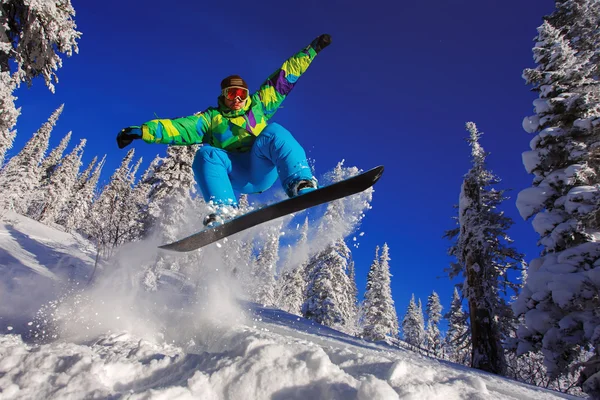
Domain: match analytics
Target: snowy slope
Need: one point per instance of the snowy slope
(115, 342)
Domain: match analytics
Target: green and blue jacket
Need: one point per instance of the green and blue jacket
(233, 130)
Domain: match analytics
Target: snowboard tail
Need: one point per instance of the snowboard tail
(338, 190)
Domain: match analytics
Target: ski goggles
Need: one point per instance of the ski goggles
(233, 92)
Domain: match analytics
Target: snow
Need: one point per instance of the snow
(531, 200)
(531, 124)
(582, 200)
(116, 341)
(541, 106)
(531, 159)
(544, 222)
(585, 124)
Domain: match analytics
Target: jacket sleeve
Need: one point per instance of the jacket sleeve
(179, 131)
(281, 82)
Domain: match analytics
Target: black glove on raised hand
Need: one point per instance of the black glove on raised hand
(321, 42)
(128, 135)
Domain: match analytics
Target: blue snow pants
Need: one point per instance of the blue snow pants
(275, 153)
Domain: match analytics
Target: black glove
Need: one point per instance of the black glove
(321, 42)
(128, 135)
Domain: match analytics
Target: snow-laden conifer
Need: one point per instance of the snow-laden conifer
(60, 186)
(483, 258)
(433, 336)
(20, 177)
(53, 160)
(8, 114)
(413, 326)
(265, 266)
(33, 35)
(170, 205)
(458, 336)
(379, 314)
(107, 222)
(78, 206)
(559, 301)
(292, 281)
(326, 300)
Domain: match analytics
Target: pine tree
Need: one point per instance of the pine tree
(33, 34)
(326, 292)
(170, 195)
(49, 164)
(53, 160)
(60, 186)
(560, 301)
(265, 266)
(529, 367)
(239, 257)
(458, 336)
(433, 336)
(380, 319)
(140, 199)
(353, 327)
(484, 257)
(413, 326)
(169, 204)
(75, 211)
(20, 177)
(326, 300)
(292, 282)
(8, 114)
(107, 222)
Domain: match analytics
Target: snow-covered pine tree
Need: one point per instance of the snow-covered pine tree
(484, 256)
(140, 197)
(33, 34)
(560, 301)
(433, 336)
(238, 253)
(107, 222)
(353, 323)
(529, 367)
(53, 160)
(169, 203)
(141, 193)
(265, 266)
(289, 291)
(292, 281)
(413, 326)
(379, 314)
(173, 186)
(78, 206)
(49, 164)
(8, 114)
(60, 186)
(326, 291)
(458, 336)
(328, 284)
(20, 176)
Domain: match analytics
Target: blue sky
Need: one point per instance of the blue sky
(396, 87)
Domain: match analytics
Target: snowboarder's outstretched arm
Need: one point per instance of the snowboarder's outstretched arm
(281, 82)
(178, 131)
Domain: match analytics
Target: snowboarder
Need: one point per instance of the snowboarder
(241, 149)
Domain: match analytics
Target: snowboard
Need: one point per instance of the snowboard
(335, 191)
